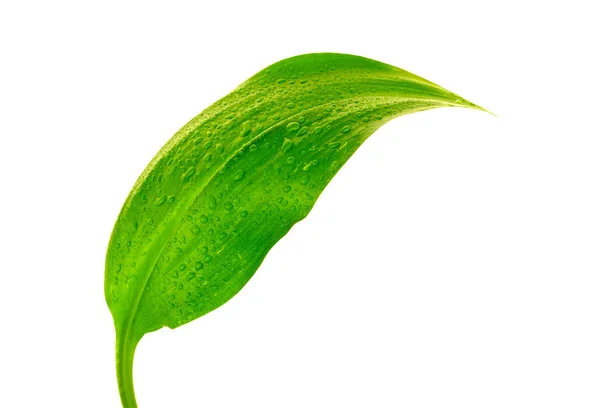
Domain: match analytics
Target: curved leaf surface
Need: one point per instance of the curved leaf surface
(235, 179)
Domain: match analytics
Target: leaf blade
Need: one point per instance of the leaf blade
(235, 179)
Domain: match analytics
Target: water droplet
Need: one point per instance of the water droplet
(244, 214)
(281, 80)
(208, 157)
(219, 148)
(304, 180)
(190, 276)
(291, 105)
(287, 189)
(290, 160)
(212, 203)
(228, 205)
(160, 200)
(203, 219)
(195, 229)
(239, 175)
(287, 145)
(346, 129)
(303, 130)
(199, 265)
(182, 267)
(334, 145)
(208, 258)
(171, 199)
(292, 126)
(253, 147)
(246, 128)
(307, 167)
(223, 236)
(188, 174)
(208, 144)
(204, 250)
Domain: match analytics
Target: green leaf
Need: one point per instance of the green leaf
(234, 180)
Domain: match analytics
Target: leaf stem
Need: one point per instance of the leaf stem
(126, 345)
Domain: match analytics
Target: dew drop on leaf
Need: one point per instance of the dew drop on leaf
(188, 174)
(160, 200)
(246, 128)
(287, 145)
(212, 203)
(239, 175)
(292, 126)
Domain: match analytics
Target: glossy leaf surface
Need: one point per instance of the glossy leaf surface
(235, 179)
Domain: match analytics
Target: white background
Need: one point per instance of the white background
(453, 262)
